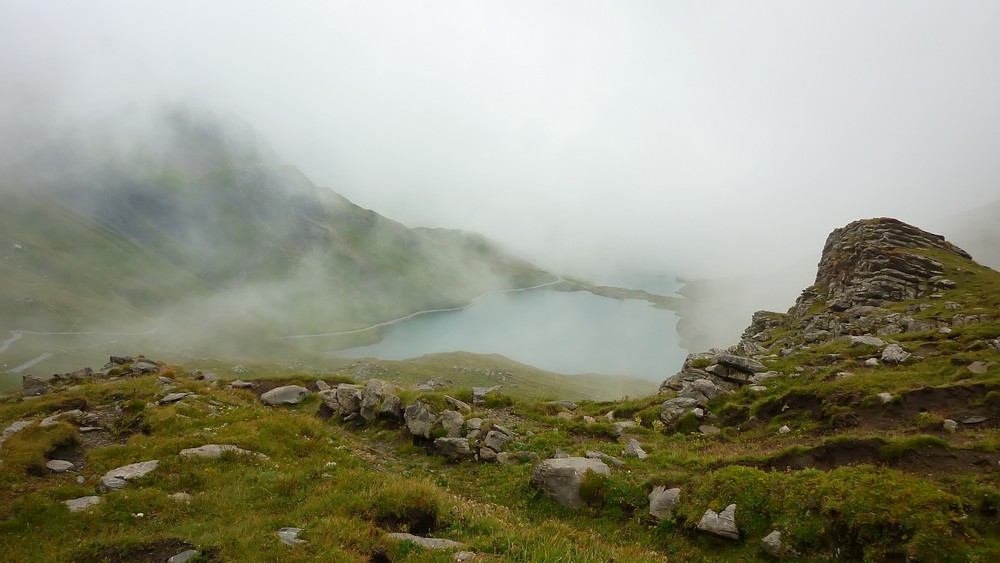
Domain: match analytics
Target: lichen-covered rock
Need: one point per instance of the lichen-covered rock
(560, 479)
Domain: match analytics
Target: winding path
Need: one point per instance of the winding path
(18, 334)
(428, 311)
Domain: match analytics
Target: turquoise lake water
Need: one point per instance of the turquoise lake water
(568, 333)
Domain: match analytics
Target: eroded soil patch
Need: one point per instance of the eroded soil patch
(927, 458)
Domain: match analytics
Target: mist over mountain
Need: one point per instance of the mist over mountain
(194, 224)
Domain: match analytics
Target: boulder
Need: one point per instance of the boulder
(894, 354)
(82, 503)
(347, 398)
(619, 428)
(771, 544)
(420, 418)
(662, 502)
(950, 425)
(720, 524)
(118, 478)
(453, 448)
(374, 393)
(561, 478)
(701, 390)
(426, 543)
(568, 405)
(391, 407)
(214, 451)
(452, 422)
(286, 395)
(479, 393)
(634, 449)
(32, 386)
(496, 440)
(674, 409)
(240, 384)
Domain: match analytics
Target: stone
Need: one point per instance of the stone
(619, 428)
(391, 407)
(32, 386)
(463, 556)
(180, 497)
(974, 420)
(452, 422)
(72, 415)
(426, 543)
(894, 354)
(946, 283)
(184, 556)
(172, 398)
(119, 477)
(164, 380)
(82, 503)
(749, 366)
(950, 425)
(238, 368)
(872, 363)
(866, 341)
(453, 448)
(757, 388)
(701, 390)
(420, 418)
(487, 454)
(784, 430)
(565, 415)
(290, 536)
(474, 423)
(59, 465)
(979, 367)
(214, 451)
(496, 440)
(771, 544)
(609, 459)
(944, 330)
(721, 524)
(322, 385)
(14, 428)
(479, 393)
(459, 405)
(346, 399)
(568, 405)
(885, 397)
(560, 478)
(589, 419)
(559, 454)
(634, 449)
(144, 366)
(286, 395)
(709, 430)
(240, 384)
(674, 409)
(662, 502)
(761, 377)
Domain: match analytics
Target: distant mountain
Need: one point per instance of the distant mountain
(198, 223)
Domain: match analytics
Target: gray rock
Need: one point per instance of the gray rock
(374, 393)
(589, 419)
(771, 544)
(32, 386)
(290, 536)
(974, 420)
(784, 429)
(568, 405)
(560, 454)
(183, 557)
(561, 478)
(180, 497)
(619, 428)
(487, 454)
(144, 366)
(391, 407)
(634, 449)
(73, 415)
(885, 397)
(479, 393)
(721, 524)
(757, 388)
(894, 354)
(287, 395)
(662, 502)
(82, 503)
(322, 385)
(866, 341)
(172, 398)
(979, 367)
(674, 409)
(453, 448)
(214, 451)
(452, 422)
(709, 430)
(118, 478)
(14, 428)
(459, 405)
(944, 330)
(950, 425)
(346, 398)
(474, 423)
(463, 556)
(701, 390)
(238, 369)
(609, 459)
(59, 466)
(240, 384)
(426, 543)
(496, 440)
(872, 363)
(761, 377)
(164, 380)
(749, 366)
(420, 418)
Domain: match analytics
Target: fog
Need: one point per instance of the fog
(721, 139)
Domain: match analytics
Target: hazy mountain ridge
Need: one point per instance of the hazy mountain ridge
(203, 209)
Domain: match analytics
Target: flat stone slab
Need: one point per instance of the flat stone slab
(214, 451)
(290, 536)
(183, 557)
(118, 478)
(14, 428)
(82, 503)
(172, 398)
(426, 543)
(59, 465)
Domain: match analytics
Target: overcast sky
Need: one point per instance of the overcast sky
(699, 137)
